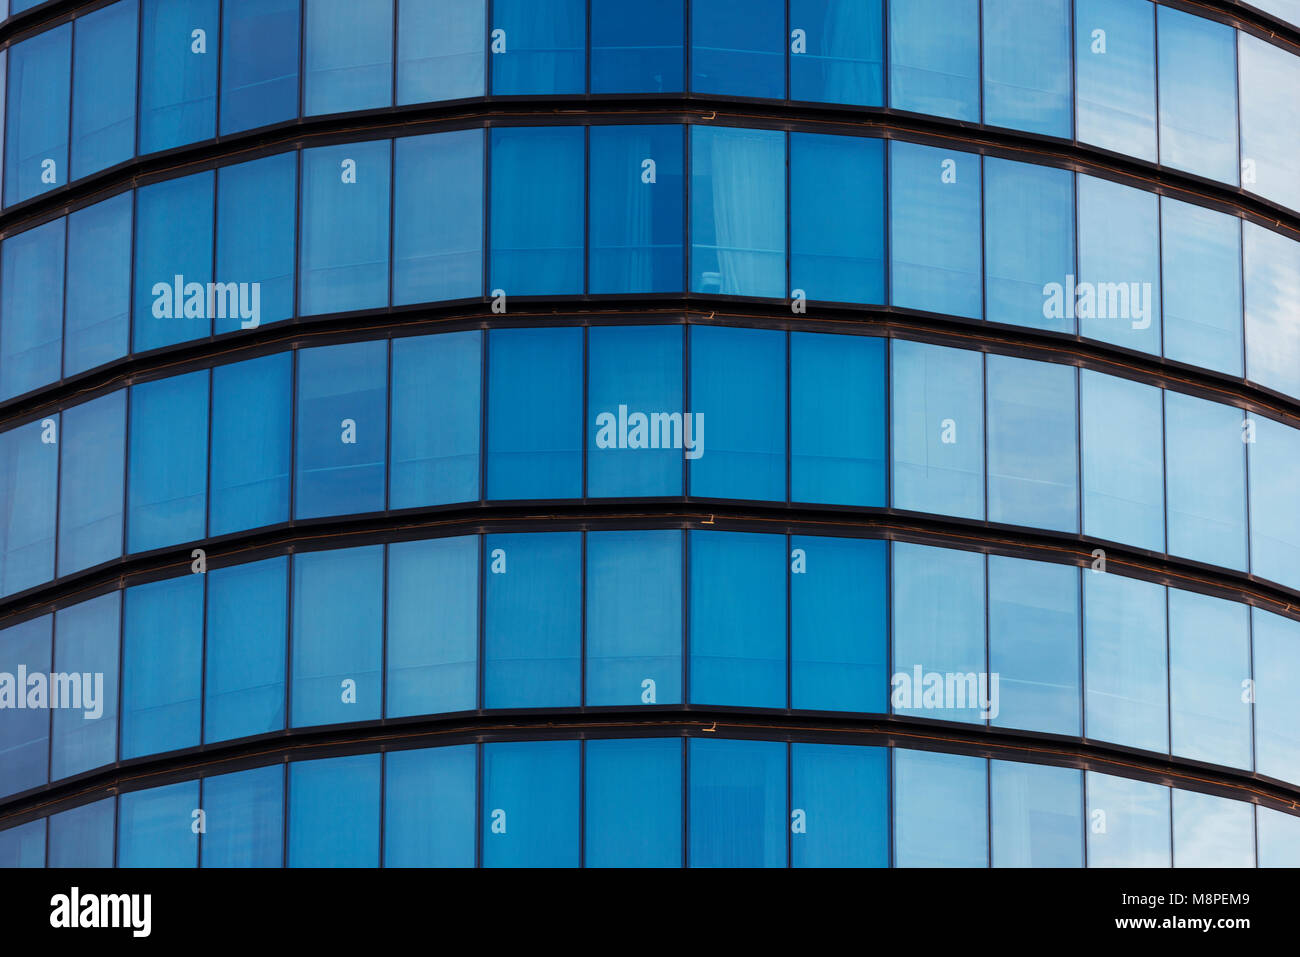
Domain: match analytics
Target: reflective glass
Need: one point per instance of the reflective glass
(245, 651)
(437, 780)
(1128, 822)
(103, 88)
(1209, 677)
(1124, 662)
(98, 314)
(1278, 837)
(155, 828)
(737, 810)
(839, 799)
(1272, 288)
(934, 57)
(737, 47)
(1276, 645)
(255, 242)
(29, 482)
(838, 54)
(439, 49)
(636, 782)
(531, 811)
(251, 443)
(1274, 511)
(1036, 815)
(1123, 471)
(1198, 94)
(36, 132)
(1117, 296)
(86, 643)
(173, 261)
(334, 811)
(24, 845)
(162, 666)
(1027, 65)
(637, 47)
(1270, 119)
(259, 63)
(348, 60)
(83, 837)
(1115, 82)
(1201, 271)
(178, 72)
(91, 476)
(167, 462)
(538, 46)
(27, 699)
(1205, 468)
(940, 810)
(31, 307)
(244, 818)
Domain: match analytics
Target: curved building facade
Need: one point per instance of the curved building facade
(709, 433)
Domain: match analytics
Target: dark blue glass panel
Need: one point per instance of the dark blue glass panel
(36, 131)
(839, 799)
(244, 818)
(1276, 646)
(1198, 94)
(1124, 661)
(251, 443)
(840, 56)
(98, 317)
(1128, 822)
(429, 798)
(27, 700)
(1209, 668)
(439, 49)
(531, 810)
(538, 46)
(91, 476)
(633, 802)
(348, 48)
(940, 810)
(178, 72)
(637, 47)
(259, 63)
(1205, 468)
(255, 237)
(83, 837)
(1201, 263)
(173, 261)
(31, 307)
(1036, 815)
(247, 624)
(168, 462)
(86, 643)
(737, 47)
(737, 807)
(29, 482)
(155, 828)
(162, 666)
(1114, 59)
(934, 57)
(334, 812)
(1121, 432)
(1027, 65)
(103, 88)
(24, 845)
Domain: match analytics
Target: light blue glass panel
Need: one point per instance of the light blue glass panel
(1270, 119)
(348, 56)
(251, 443)
(1114, 58)
(940, 810)
(31, 308)
(636, 782)
(442, 780)
(24, 845)
(934, 57)
(91, 475)
(103, 88)
(155, 827)
(842, 794)
(83, 837)
(1027, 65)
(98, 312)
(1124, 661)
(1036, 815)
(36, 128)
(1201, 263)
(531, 813)
(173, 261)
(1272, 285)
(1276, 646)
(244, 818)
(1198, 94)
(1209, 677)
(1274, 510)
(167, 464)
(86, 642)
(25, 656)
(334, 811)
(1123, 470)
(439, 49)
(1278, 837)
(244, 688)
(1205, 472)
(29, 483)
(1135, 819)
(255, 242)
(162, 666)
(737, 811)
(1117, 295)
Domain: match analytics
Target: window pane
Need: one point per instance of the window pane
(938, 429)
(155, 827)
(244, 816)
(639, 780)
(178, 72)
(99, 284)
(173, 261)
(251, 443)
(28, 488)
(31, 303)
(36, 135)
(530, 804)
(738, 615)
(533, 620)
(1124, 662)
(167, 493)
(25, 730)
(1272, 334)
(337, 638)
(1277, 708)
(636, 209)
(1128, 822)
(1114, 57)
(83, 837)
(635, 47)
(1036, 815)
(1201, 262)
(837, 217)
(1209, 665)
(103, 88)
(534, 438)
(255, 241)
(349, 55)
(432, 654)
(162, 666)
(840, 795)
(91, 476)
(1198, 94)
(1211, 831)
(1279, 838)
(1027, 65)
(244, 677)
(537, 210)
(934, 57)
(539, 46)
(86, 642)
(23, 845)
(940, 810)
(345, 216)
(737, 47)
(334, 807)
(1274, 512)
(737, 808)
(259, 63)
(415, 782)
(342, 429)
(844, 58)
(438, 217)
(1205, 467)
(1123, 473)
(1270, 120)
(737, 384)
(838, 624)
(1117, 298)
(439, 49)
(738, 215)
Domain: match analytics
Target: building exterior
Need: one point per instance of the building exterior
(694, 432)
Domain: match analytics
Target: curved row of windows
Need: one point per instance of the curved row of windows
(572, 413)
(604, 210)
(649, 617)
(698, 802)
(1129, 76)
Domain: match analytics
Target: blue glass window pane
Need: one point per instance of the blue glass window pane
(348, 48)
(1124, 661)
(537, 210)
(24, 845)
(247, 625)
(1117, 296)
(1201, 259)
(1287, 10)
(638, 780)
(934, 57)
(31, 304)
(636, 209)
(1036, 815)
(934, 229)
(634, 380)
(342, 429)
(1114, 59)
(155, 827)
(334, 808)
(1272, 334)
(25, 730)
(1276, 642)
(533, 620)
(255, 241)
(91, 476)
(1278, 835)
(178, 72)
(838, 627)
(1027, 65)
(1198, 94)
(36, 134)
(738, 214)
(1211, 831)
(634, 617)
(438, 217)
(938, 429)
(439, 49)
(173, 261)
(98, 317)
(432, 663)
(530, 804)
(345, 225)
(843, 796)
(1028, 244)
(168, 463)
(259, 63)
(1205, 468)
(534, 442)
(1274, 512)
(162, 666)
(938, 620)
(737, 807)
(837, 217)
(1034, 644)
(538, 46)
(28, 489)
(738, 385)
(1136, 819)
(436, 418)
(86, 642)
(251, 443)
(737, 619)
(1270, 119)
(441, 780)
(337, 636)
(244, 817)
(83, 837)
(940, 810)
(737, 47)
(843, 59)
(637, 47)
(103, 88)
(1123, 472)
(1209, 667)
